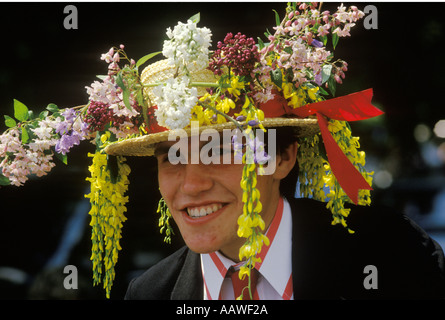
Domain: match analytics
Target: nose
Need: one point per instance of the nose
(195, 179)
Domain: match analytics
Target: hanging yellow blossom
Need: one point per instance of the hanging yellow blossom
(250, 222)
(316, 177)
(107, 215)
(164, 220)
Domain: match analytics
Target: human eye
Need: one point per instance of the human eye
(226, 153)
(162, 158)
(162, 154)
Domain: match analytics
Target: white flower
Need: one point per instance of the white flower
(124, 130)
(43, 132)
(175, 101)
(188, 46)
(345, 31)
(263, 97)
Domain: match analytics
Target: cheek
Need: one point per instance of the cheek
(167, 185)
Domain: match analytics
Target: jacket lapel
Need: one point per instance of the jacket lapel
(189, 285)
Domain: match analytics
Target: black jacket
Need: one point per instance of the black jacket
(327, 261)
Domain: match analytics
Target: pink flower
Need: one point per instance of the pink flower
(108, 57)
(116, 57)
(279, 30)
(263, 96)
(323, 30)
(294, 29)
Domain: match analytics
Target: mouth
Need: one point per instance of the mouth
(202, 211)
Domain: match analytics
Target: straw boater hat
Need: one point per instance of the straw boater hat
(161, 71)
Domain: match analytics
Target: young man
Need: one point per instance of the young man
(239, 224)
(388, 256)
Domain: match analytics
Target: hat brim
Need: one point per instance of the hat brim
(145, 145)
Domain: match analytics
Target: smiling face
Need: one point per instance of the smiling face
(205, 200)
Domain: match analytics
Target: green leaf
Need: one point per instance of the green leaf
(113, 168)
(4, 181)
(20, 111)
(277, 17)
(143, 104)
(10, 122)
(332, 85)
(43, 114)
(323, 91)
(125, 91)
(144, 59)
(120, 81)
(335, 39)
(195, 18)
(62, 157)
(277, 77)
(25, 135)
(322, 150)
(126, 98)
(288, 50)
(260, 43)
(52, 107)
(326, 73)
(140, 97)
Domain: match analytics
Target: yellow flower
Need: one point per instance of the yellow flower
(298, 99)
(246, 251)
(265, 239)
(227, 104)
(311, 93)
(288, 90)
(107, 214)
(334, 126)
(244, 226)
(105, 136)
(260, 116)
(235, 86)
(244, 271)
(164, 220)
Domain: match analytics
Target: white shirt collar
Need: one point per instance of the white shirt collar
(275, 269)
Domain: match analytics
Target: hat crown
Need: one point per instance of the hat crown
(161, 71)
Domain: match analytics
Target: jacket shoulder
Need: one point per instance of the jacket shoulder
(158, 282)
(410, 264)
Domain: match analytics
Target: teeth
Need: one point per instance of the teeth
(203, 211)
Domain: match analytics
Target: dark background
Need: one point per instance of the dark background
(42, 63)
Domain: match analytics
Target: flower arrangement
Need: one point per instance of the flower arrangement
(294, 64)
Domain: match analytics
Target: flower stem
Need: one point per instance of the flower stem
(237, 124)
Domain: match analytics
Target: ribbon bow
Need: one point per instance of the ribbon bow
(353, 107)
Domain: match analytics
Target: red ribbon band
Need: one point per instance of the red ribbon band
(352, 107)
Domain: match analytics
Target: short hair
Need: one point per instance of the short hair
(285, 136)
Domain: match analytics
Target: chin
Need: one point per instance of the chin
(202, 245)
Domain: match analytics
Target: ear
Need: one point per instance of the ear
(285, 161)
